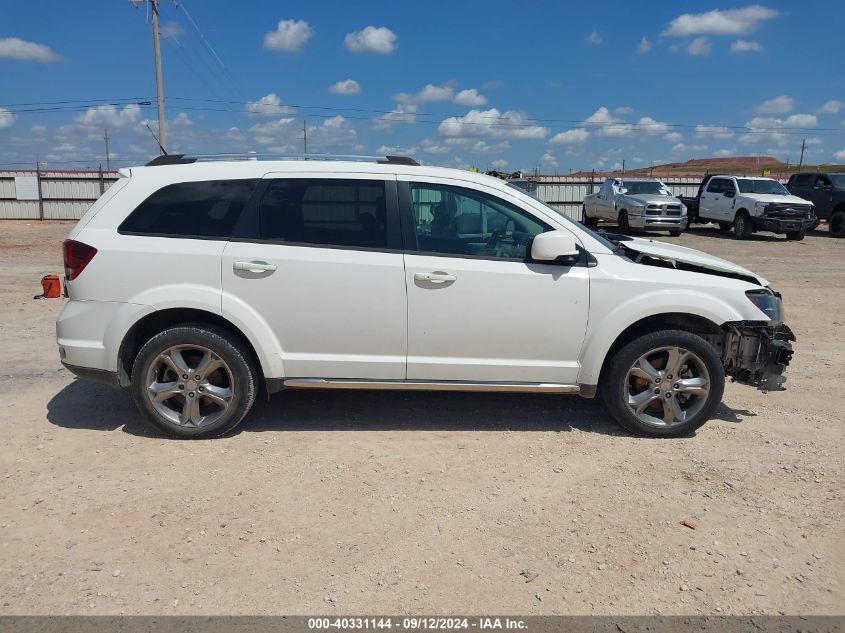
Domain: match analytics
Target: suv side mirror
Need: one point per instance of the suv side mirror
(552, 245)
(730, 194)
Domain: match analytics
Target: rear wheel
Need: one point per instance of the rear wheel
(622, 221)
(796, 236)
(742, 226)
(837, 224)
(193, 381)
(589, 222)
(664, 384)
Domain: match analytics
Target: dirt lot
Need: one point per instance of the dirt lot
(357, 502)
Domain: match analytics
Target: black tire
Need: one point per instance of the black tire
(615, 388)
(796, 236)
(622, 222)
(837, 224)
(589, 222)
(725, 227)
(237, 371)
(675, 233)
(742, 226)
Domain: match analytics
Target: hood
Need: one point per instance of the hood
(773, 197)
(690, 259)
(652, 198)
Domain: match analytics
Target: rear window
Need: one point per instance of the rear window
(205, 209)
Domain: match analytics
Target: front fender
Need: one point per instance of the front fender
(603, 332)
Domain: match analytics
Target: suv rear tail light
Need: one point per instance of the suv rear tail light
(77, 257)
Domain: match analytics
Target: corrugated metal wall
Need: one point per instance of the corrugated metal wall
(64, 195)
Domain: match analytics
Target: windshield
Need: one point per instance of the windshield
(838, 180)
(558, 214)
(646, 186)
(761, 185)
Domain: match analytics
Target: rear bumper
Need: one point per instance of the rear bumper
(777, 224)
(757, 353)
(99, 375)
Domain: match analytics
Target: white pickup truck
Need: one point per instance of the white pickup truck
(748, 204)
(635, 203)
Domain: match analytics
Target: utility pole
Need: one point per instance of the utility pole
(108, 157)
(801, 162)
(623, 166)
(162, 134)
(304, 137)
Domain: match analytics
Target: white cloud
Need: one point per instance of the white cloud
(432, 147)
(652, 127)
(774, 130)
(276, 132)
(607, 124)
(720, 22)
(346, 87)
(396, 150)
(840, 155)
(402, 113)
(594, 38)
(745, 46)
(700, 47)
(674, 137)
(434, 93)
(724, 153)
(379, 40)
(644, 46)
(268, 105)
(492, 123)
(6, 119)
(831, 107)
(778, 105)
(470, 98)
(334, 133)
(499, 163)
(289, 36)
(21, 50)
(713, 131)
(170, 30)
(37, 130)
(570, 137)
(549, 159)
(110, 116)
(623, 110)
(814, 141)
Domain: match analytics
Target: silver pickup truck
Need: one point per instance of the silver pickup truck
(636, 203)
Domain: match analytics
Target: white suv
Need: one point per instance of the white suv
(197, 282)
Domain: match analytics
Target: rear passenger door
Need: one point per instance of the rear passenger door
(319, 260)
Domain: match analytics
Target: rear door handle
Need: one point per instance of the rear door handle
(254, 267)
(434, 277)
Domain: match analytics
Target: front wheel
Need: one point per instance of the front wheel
(742, 226)
(622, 221)
(796, 236)
(589, 222)
(193, 381)
(674, 233)
(837, 224)
(663, 384)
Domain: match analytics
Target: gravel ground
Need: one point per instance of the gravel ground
(358, 502)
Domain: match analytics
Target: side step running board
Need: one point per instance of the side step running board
(436, 385)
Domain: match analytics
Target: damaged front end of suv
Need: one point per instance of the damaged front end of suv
(757, 352)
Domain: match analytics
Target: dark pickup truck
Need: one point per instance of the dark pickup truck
(746, 204)
(827, 193)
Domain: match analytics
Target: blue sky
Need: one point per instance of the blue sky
(490, 84)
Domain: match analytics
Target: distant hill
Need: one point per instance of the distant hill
(739, 165)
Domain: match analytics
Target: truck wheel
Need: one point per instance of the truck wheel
(589, 222)
(837, 224)
(725, 227)
(193, 381)
(675, 233)
(796, 236)
(622, 221)
(742, 226)
(663, 384)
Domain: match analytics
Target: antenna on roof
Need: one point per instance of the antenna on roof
(160, 146)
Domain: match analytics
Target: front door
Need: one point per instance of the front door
(320, 262)
(478, 309)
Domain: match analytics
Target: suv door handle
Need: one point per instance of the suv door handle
(434, 277)
(254, 267)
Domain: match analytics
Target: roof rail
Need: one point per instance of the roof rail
(181, 159)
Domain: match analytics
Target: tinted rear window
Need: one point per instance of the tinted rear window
(325, 212)
(207, 209)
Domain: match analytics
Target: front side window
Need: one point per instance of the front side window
(717, 185)
(348, 213)
(458, 221)
(206, 209)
